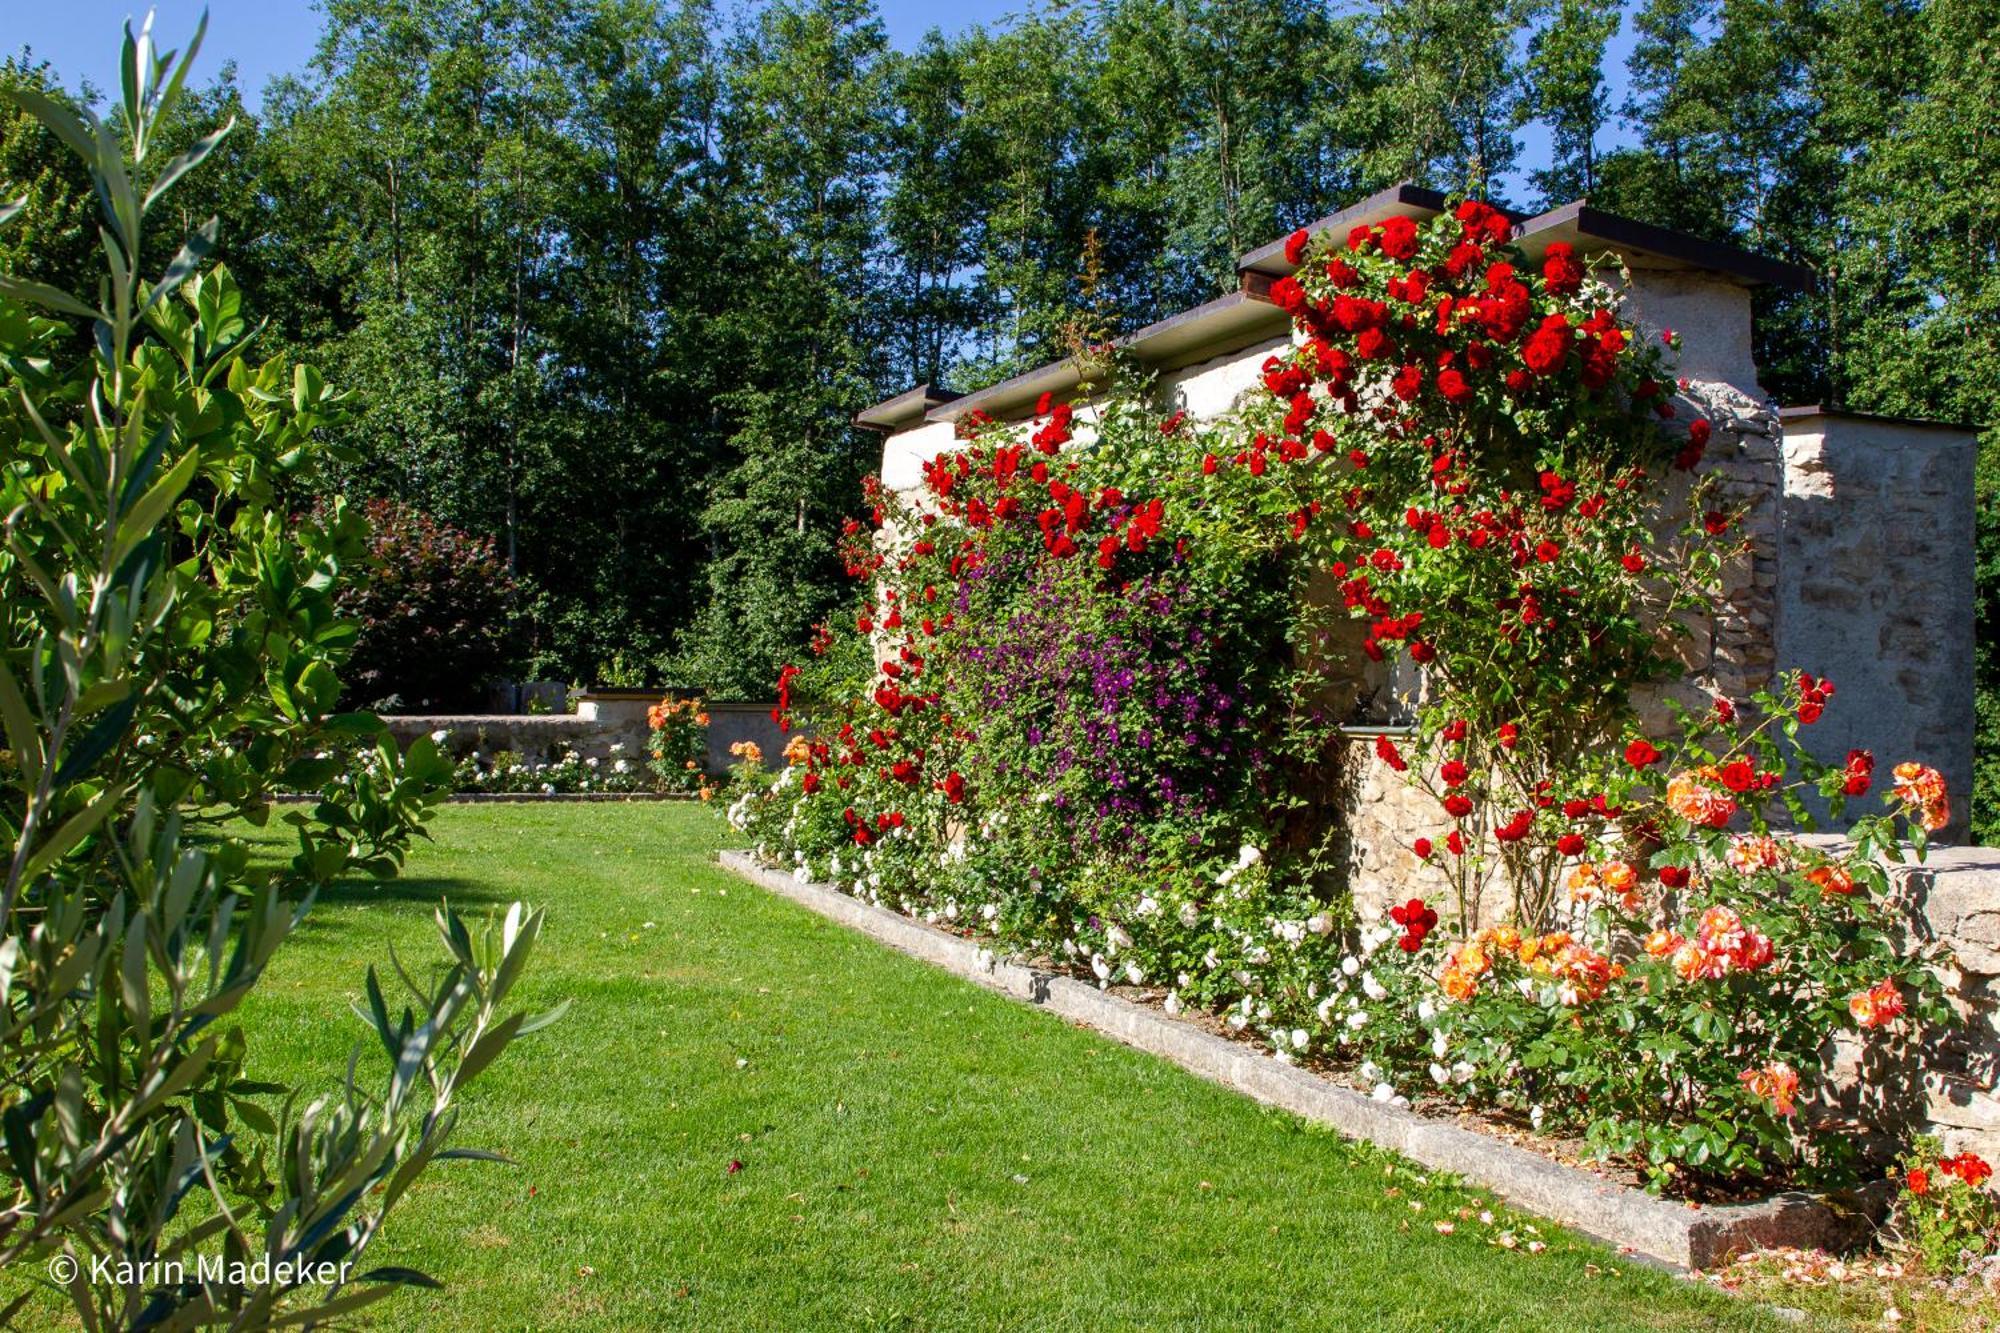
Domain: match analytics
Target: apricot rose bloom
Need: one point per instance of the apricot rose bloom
(1463, 967)
(1880, 1004)
(1922, 790)
(1689, 796)
(1777, 1083)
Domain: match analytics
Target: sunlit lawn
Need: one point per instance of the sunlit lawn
(916, 1152)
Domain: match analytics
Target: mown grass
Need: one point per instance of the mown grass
(915, 1151)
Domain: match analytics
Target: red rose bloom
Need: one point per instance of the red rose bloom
(1295, 246)
(1641, 754)
(1548, 346)
(1399, 238)
(1454, 388)
(1373, 345)
(1859, 773)
(1561, 273)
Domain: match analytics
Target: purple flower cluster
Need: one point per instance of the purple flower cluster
(1110, 701)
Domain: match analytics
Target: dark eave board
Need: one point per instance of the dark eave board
(1809, 411)
(906, 406)
(1214, 328)
(1590, 229)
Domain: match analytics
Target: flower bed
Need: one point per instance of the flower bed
(1682, 1235)
(1091, 698)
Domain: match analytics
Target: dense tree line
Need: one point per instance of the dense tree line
(608, 277)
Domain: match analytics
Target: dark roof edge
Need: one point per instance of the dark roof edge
(890, 412)
(1404, 197)
(1058, 375)
(1807, 411)
(1629, 234)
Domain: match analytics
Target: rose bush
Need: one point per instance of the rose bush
(677, 743)
(1680, 1010)
(1946, 1215)
(1090, 704)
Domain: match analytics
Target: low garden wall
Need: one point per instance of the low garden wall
(603, 720)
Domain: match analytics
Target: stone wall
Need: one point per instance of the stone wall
(537, 737)
(600, 722)
(1876, 587)
(1956, 897)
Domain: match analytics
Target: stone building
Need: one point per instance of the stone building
(1861, 564)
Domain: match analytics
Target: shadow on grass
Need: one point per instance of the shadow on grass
(412, 897)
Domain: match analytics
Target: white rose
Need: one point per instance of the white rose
(1372, 988)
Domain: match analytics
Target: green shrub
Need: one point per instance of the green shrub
(435, 619)
(169, 658)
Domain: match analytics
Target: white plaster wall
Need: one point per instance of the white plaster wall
(1711, 314)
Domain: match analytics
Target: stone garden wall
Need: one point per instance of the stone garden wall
(601, 721)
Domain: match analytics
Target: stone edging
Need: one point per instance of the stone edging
(525, 797)
(1678, 1234)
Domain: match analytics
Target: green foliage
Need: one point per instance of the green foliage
(433, 618)
(169, 658)
(605, 284)
(1946, 1216)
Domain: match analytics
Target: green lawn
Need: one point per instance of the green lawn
(916, 1152)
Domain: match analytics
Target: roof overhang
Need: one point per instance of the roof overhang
(1214, 328)
(892, 414)
(1644, 246)
(1815, 411)
(1402, 200)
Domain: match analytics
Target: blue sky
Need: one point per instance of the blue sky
(271, 37)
